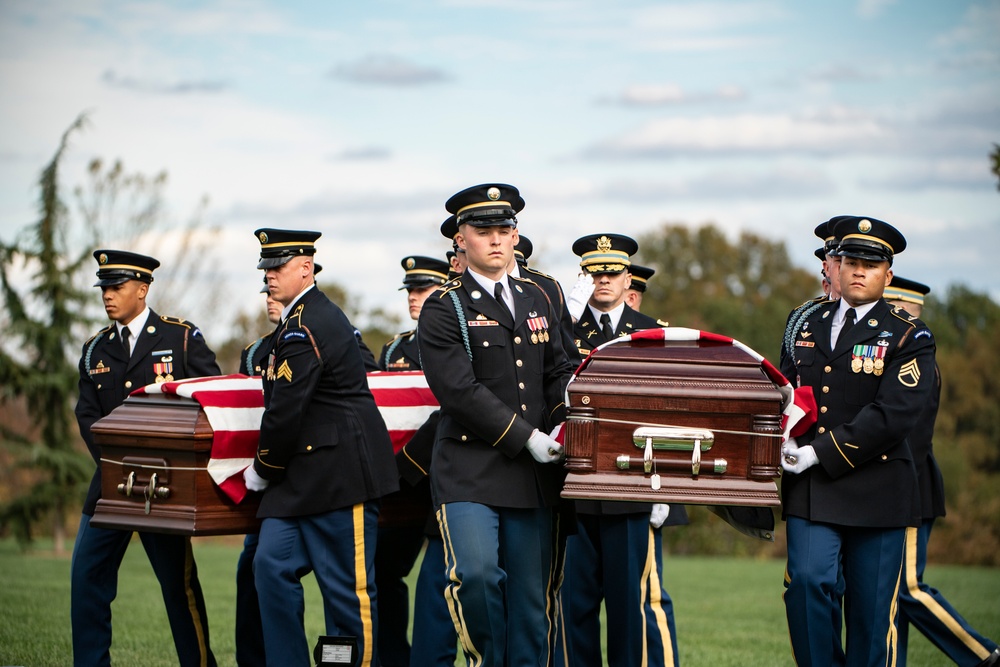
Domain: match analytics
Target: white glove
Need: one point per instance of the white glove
(254, 481)
(797, 459)
(580, 295)
(543, 448)
(659, 514)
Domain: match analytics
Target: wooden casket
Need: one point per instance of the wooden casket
(154, 471)
(688, 422)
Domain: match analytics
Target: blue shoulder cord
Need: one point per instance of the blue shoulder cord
(462, 323)
(90, 350)
(250, 352)
(795, 323)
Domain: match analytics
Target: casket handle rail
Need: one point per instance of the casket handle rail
(672, 438)
(150, 492)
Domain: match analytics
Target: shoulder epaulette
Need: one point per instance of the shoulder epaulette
(297, 314)
(253, 343)
(100, 333)
(662, 323)
(176, 320)
(901, 314)
(399, 336)
(449, 286)
(537, 272)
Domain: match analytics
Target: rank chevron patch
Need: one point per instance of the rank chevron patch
(285, 371)
(909, 374)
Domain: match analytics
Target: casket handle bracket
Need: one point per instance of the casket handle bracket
(673, 438)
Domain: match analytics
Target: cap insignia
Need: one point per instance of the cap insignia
(103, 259)
(864, 226)
(604, 244)
(410, 263)
(263, 237)
(493, 194)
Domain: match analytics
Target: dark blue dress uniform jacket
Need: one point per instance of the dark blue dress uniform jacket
(563, 323)
(323, 443)
(921, 441)
(491, 404)
(107, 377)
(866, 475)
(401, 353)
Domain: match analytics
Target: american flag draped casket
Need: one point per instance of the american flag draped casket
(678, 415)
(173, 454)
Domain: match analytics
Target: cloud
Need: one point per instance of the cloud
(362, 153)
(112, 80)
(871, 9)
(659, 95)
(936, 174)
(387, 70)
(730, 184)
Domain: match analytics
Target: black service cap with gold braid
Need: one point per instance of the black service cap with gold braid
(869, 239)
(117, 266)
(605, 253)
(487, 205)
(901, 289)
(424, 271)
(640, 276)
(278, 246)
(827, 232)
(449, 228)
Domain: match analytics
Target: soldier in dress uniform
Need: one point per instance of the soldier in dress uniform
(323, 461)
(400, 544)
(850, 488)
(920, 604)
(500, 379)
(137, 349)
(616, 553)
(637, 289)
(456, 256)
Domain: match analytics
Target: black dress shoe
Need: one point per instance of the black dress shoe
(992, 660)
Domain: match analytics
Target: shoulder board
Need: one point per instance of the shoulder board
(662, 323)
(452, 284)
(254, 342)
(102, 331)
(537, 273)
(901, 314)
(810, 302)
(403, 334)
(176, 320)
(297, 314)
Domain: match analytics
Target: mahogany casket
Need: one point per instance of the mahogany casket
(660, 421)
(155, 451)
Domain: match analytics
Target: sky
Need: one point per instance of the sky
(360, 119)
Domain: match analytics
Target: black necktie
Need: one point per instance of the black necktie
(125, 344)
(606, 327)
(849, 318)
(498, 295)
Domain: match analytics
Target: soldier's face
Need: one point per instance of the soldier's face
(122, 302)
(273, 310)
(609, 290)
(633, 299)
(459, 263)
(285, 282)
(863, 281)
(489, 250)
(415, 297)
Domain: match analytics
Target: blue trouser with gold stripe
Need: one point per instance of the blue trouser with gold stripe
(617, 558)
(499, 563)
(97, 556)
(339, 547)
(871, 560)
(434, 638)
(928, 611)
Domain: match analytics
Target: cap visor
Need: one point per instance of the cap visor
(112, 280)
(273, 262)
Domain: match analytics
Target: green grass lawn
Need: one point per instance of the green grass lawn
(729, 610)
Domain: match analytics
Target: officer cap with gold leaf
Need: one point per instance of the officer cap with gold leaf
(118, 266)
(868, 239)
(640, 276)
(901, 289)
(424, 272)
(278, 246)
(605, 253)
(522, 251)
(487, 205)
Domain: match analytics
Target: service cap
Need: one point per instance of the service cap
(605, 253)
(640, 276)
(522, 251)
(869, 239)
(902, 289)
(423, 271)
(486, 205)
(278, 246)
(117, 266)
